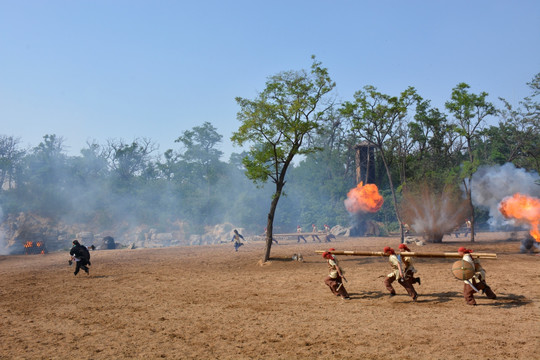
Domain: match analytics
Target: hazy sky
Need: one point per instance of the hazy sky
(108, 69)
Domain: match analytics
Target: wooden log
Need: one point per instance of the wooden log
(303, 234)
(355, 253)
(448, 255)
(451, 255)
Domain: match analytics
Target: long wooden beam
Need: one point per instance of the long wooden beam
(303, 234)
(415, 254)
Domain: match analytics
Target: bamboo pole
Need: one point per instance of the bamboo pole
(415, 254)
(304, 234)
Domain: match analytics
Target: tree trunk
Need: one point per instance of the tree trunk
(471, 206)
(472, 216)
(270, 223)
(394, 198)
(468, 188)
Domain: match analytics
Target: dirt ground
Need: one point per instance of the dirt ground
(210, 302)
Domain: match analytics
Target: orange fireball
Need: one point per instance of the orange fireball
(525, 209)
(365, 198)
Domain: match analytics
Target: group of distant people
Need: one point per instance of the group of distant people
(239, 240)
(403, 271)
(314, 235)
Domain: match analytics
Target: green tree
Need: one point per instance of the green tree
(435, 147)
(377, 117)
(10, 158)
(469, 112)
(277, 122)
(129, 160)
(43, 182)
(200, 150)
(318, 184)
(516, 139)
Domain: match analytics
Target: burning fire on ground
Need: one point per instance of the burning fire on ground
(34, 248)
(365, 198)
(525, 209)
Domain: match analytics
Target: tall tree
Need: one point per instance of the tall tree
(469, 111)
(435, 146)
(43, 182)
(517, 137)
(129, 160)
(376, 116)
(201, 172)
(276, 123)
(200, 149)
(10, 157)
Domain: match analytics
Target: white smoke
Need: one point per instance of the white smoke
(491, 184)
(3, 243)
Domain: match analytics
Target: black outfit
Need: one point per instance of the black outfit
(81, 253)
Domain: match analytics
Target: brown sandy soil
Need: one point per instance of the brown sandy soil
(209, 302)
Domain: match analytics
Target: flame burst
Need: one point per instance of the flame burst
(525, 209)
(365, 198)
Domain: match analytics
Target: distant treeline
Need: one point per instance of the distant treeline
(130, 183)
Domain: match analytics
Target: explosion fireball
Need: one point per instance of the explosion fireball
(525, 209)
(365, 198)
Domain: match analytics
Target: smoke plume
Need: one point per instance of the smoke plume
(491, 184)
(431, 213)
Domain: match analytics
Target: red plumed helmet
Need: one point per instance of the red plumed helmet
(388, 249)
(404, 247)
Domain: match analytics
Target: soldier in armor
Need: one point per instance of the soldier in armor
(335, 278)
(398, 273)
(409, 269)
(477, 282)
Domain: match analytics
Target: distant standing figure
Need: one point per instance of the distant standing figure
(80, 254)
(397, 274)
(236, 238)
(468, 227)
(314, 230)
(478, 281)
(335, 278)
(328, 235)
(300, 236)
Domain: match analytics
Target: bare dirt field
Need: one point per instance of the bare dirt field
(209, 302)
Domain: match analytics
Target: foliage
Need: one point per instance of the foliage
(276, 123)
(296, 137)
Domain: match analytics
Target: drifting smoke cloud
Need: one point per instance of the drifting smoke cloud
(491, 184)
(432, 213)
